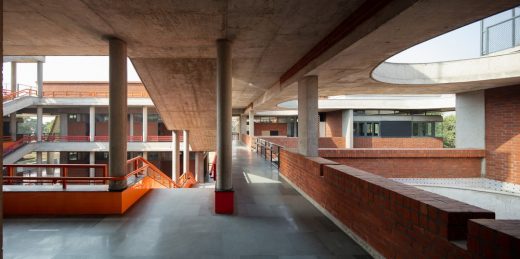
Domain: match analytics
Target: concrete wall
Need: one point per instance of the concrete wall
(471, 120)
(503, 134)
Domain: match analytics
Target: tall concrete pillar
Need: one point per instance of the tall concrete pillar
(118, 111)
(145, 123)
(308, 122)
(348, 128)
(199, 167)
(92, 161)
(92, 123)
(224, 195)
(39, 123)
(39, 160)
(14, 88)
(12, 125)
(131, 124)
(14, 77)
(251, 123)
(145, 155)
(64, 122)
(1, 131)
(186, 151)
(40, 78)
(176, 165)
(243, 124)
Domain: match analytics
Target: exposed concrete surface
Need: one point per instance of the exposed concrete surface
(349, 70)
(19, 153)
(428, 102)
(458, 71)
(470, 128)
(268, 37)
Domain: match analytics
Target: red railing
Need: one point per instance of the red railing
(58, 138)
(136, 167)
(8, 95)
(17, 144)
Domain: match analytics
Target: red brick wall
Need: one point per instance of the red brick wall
(292, 142)
(411, 163)
(280, 127)
(397, 220)
(333, 124)
(366, 142)
(494, 238)
(503, 134)
(88, 89)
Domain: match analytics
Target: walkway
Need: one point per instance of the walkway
(272, 221)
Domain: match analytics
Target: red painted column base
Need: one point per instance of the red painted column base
(224, 202)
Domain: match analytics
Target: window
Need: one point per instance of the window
(366, 129)
(426, 128)
(73, 156)
(274, 133)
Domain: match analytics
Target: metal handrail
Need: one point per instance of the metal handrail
(269, 151)
(135, 167)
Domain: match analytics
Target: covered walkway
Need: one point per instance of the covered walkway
(271, 221)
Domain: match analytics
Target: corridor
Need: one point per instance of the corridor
(271, 221)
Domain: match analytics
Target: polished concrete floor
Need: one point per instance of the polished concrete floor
(272, 221)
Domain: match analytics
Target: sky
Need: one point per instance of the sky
(462, 43)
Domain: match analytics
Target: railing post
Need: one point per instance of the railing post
(10, 173)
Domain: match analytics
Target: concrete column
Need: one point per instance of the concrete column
(176, 165)
(12, 125)
(308, 123)
(39, 160)
(348, 128)
(251, 123)
(243, 124)
(64, 122)
(471, 120)
(199, 167)
(14, 78)
(224, 195)
(92, 160)
(92, 123)
(186, 151)
(118, 111)
(1, 131)
(145, 123)
(14, 88)
(39, 123)
(40, 78)
(145, 155)
(131, 124)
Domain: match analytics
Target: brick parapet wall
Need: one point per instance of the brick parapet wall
(503, 134)
(280, 127)
(411, 163)
(334, 124)
(395, 219)
(292, 142)
(375, 142)
(494, 238)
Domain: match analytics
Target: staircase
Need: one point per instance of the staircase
(141, 165)
(18, 100)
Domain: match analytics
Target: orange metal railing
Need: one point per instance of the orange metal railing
(8, 95)
(136, 167)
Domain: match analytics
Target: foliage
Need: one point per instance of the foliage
(448, 131)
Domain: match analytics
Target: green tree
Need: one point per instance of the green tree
(448, 131)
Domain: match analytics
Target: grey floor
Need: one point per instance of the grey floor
(272, 221)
